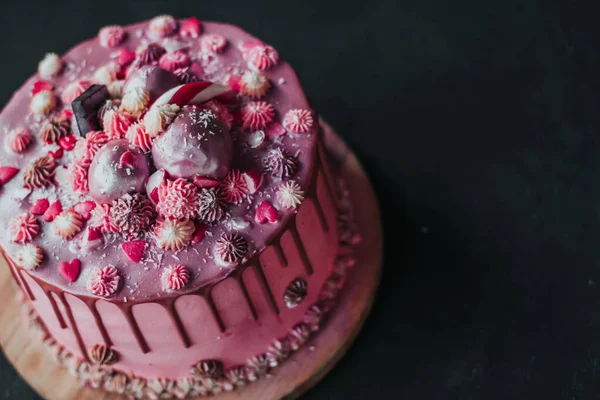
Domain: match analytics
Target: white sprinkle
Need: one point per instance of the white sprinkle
(281, 81)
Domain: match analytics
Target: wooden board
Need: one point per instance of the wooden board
(298, 374)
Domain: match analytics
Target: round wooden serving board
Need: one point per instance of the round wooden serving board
(303, 370)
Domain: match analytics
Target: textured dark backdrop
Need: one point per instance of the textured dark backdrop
(478, 122)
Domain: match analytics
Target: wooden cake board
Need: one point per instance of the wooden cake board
(24, 349)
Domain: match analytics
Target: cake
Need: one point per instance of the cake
(169, 209)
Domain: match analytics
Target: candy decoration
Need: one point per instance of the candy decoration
(67, 224)
(87, 147)
(110, 178)
(280, 163)
(174, 234)
(68, 142)
(18, 140)
(162, 26)
(260, 56)
(104, 282)
(115, 89)
(230, 249)
(40, 173)
(6, 174)
(290, 195)
(86, 106)
(157, 118)
(39, 86)
(155, 181)
(190, 28)
(43, 102)
(254, 84)
(70, 270)
(137, 136)
(177, 199)
(107, 74)
(23, 228)
(213, 43)
(234, 187)
(211, 205)
(135, 101)
(175, 277)
(54, 128)
(266, 212)
(101, 219)
(125, 57)
(39, 207)
(174, 60)
(256, 139)
(116, 124)
(111, 36)
(50, 66)
(298, 121)
(79, 177)
(134, 250)
(52, 211)
(132, 214)
(253, 178)
(56, 154)
(192, 93)
(257, 115)
(30, 256)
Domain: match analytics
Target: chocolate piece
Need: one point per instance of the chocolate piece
(86, 106)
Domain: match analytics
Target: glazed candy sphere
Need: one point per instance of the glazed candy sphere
(118, 168)
(154, 79)
(195, 144)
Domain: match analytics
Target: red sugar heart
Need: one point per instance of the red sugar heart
(70, 271)
(39, 207)
(134, 249)
(52, 211)
(266, 212)
(7, 173)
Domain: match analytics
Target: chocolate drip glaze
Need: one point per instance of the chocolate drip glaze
(135, 329)
(320, 213)
(73, 325)
(266, 289)
(242, 285)
(213, 310)
(61, 321)
(205, 292)
(293, 229)
(169, 306)
(92, 306)
(279, 251)
(25, 285)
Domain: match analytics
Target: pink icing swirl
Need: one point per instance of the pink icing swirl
(298, 121)
(178, 199)
(137, 136)
(234, 187)
(257, 115)
(79, 177)
(111, 36)
(23, 228)
(101, 218)
(174, 60)
(19, 140)
(263, 57)
(213, 43)
(104, 282)
(175, 277)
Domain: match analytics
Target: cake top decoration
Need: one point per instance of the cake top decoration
(162, 140)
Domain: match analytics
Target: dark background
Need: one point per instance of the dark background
(478, 123)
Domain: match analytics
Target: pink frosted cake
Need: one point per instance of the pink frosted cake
(169, 210)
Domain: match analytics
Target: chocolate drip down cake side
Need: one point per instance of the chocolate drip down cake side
(169, 210)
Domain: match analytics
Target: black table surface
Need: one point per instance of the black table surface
(478, 123)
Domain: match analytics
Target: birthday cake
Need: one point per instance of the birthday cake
(169, 210)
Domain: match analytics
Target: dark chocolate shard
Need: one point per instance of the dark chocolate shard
(86, 106)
